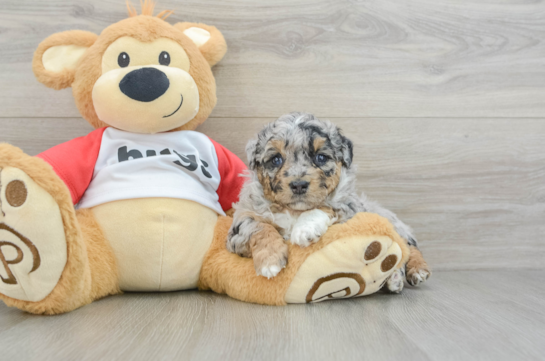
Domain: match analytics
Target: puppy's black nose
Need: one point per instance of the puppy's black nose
(144, 84)
(299, 187)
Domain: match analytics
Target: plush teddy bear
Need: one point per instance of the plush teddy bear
(140, 203)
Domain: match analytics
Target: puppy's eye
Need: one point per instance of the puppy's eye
(277, 161)
(321, 159)
(123, 60)
(164, 58)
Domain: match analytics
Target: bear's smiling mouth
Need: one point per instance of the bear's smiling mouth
(179, 106)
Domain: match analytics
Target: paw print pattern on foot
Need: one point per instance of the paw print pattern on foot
(349, 267)
(32, 240)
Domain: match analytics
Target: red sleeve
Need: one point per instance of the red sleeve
(230, 168)
(74, 161)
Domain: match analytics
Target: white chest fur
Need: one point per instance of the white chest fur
(286, 221)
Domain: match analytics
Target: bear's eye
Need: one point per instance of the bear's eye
(123, 60)
(321, 159)
(164, 58)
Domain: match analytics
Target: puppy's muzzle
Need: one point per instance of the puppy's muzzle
(144, 84)
(299, 187)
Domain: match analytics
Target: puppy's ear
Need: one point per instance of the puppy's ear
(57, 56)
(208, 39)
(347, 151)
(251, 153)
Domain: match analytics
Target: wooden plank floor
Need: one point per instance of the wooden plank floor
(461, 315)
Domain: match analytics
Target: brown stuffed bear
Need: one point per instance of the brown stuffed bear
(151, 194)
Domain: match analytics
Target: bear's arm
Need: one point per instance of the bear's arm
(74, 161)
(230, 167)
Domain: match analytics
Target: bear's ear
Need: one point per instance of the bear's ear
(55, 60)
(207, 38)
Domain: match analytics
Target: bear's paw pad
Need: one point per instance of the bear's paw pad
(349, 267)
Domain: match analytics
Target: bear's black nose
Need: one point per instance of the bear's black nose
(144, 84)
(299, 187)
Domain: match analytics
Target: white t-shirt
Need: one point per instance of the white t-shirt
(111, 164)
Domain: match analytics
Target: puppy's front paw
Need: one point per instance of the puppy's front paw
(269, 262)
(269, 271)
(238, 244)
(238, 239)
(310, 226)
(304, 235)
(417, 276)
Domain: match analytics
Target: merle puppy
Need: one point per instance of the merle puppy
(301, 181)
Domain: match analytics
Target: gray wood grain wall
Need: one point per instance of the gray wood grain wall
(445, 102)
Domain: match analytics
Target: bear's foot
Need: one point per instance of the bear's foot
(44, 267)
(352, 266)
(33, 250)
(352, 259)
